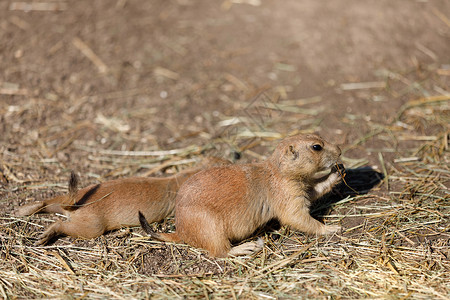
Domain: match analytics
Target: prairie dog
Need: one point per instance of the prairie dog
(113, 204)
(226, 204)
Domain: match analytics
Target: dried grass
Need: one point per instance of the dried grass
(395, 240)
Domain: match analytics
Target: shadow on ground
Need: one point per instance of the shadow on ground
(356, 182)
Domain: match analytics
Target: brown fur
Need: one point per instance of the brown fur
(110, 205)
(227, 204)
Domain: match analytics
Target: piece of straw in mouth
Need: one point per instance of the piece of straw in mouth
(341, 170)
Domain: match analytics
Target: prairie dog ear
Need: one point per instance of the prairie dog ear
(293, 152)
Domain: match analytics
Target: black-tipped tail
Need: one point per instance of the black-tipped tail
(163, 237)
(145, 225)
(73, 186)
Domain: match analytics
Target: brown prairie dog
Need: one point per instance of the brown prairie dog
(227, 204)
(113, 204)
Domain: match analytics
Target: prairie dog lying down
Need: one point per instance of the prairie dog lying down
(113, 204)
(228, 203)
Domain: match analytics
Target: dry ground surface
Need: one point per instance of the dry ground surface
(125, 88)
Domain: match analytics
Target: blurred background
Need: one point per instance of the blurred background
(128, 75)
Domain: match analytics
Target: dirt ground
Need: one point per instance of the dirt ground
(99, 86)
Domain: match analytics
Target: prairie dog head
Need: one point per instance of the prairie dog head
(304, 155)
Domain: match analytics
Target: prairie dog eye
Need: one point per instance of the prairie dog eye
(316, 147)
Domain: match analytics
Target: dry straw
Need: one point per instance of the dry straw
(394, 241)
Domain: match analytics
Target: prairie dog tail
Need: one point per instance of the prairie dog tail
(73, 190)
(164, 237)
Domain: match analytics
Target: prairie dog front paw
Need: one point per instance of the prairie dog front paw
(334, 178)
